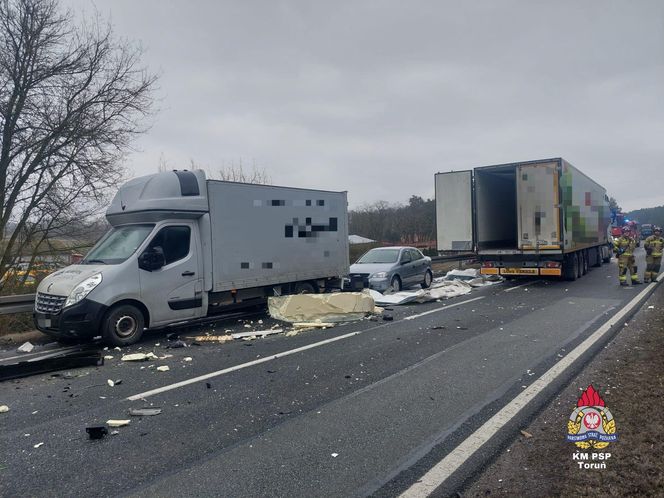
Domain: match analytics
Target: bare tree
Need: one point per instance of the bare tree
(72, 98)
(235, 172)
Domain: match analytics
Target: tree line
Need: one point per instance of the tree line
(412, 223)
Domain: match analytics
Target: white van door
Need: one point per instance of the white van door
(170, 274)
(454, 211)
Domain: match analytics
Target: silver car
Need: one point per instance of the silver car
(393, 268)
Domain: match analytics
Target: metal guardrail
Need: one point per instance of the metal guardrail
(454, 257)
(16, 304)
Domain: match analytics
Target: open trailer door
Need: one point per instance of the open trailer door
(455, 211)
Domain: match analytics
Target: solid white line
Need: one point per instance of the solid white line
(522, 285)
(448, 465)
(217, 373)
(443, 308)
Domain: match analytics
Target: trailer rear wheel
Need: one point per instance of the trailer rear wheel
(570, 267)
(598, 257)
(584, 266)
(123, 325)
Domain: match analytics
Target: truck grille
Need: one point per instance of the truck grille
(49, 303)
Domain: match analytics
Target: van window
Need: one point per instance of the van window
(174, 241)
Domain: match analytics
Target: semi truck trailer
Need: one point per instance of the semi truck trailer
(542, 217)
(182, 248)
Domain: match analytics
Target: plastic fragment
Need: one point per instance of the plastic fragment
(26, 347)
(117, 423)
(163, 368)
(144, 412)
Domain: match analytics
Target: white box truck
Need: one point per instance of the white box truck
(541, 217)
(182, 248)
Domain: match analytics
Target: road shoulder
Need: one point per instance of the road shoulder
(629, 375)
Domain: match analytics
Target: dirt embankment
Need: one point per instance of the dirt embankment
(629, 375)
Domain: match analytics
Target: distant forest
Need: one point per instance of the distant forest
(654, 215)
(414, 223)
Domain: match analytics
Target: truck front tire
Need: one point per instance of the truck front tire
(123, 325)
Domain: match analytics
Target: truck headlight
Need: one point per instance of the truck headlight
(83, 289)
(380, 274)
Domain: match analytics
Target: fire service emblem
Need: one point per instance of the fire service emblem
(591, 424)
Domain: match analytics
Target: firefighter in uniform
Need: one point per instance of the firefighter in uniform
(624, 247)
(653, 246)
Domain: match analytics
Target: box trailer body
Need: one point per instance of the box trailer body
(541, 217)
(182, 248)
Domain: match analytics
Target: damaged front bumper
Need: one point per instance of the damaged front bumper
(80, 321)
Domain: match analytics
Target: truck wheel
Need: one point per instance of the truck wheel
(428, 278)
(584, 266)
(395, 284)
(570, 267)
(598, 257)
(579, 265)
(305, 288)
(123, 325)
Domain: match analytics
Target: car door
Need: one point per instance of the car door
(406, 268)
(174, 291)
(419, 265)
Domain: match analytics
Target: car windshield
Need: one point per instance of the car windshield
(380, 256)
(118, 244)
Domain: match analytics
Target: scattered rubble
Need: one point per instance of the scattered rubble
(163, 368)
(139, 357)
(26, 347)
(144, 412)
(4, 408)
(212, 338)
(96, 432)
(256, 333)
(117, 423)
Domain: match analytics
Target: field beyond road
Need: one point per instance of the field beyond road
(629, 375)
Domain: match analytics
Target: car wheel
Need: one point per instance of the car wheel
(428, 278)
(305, 288)
(123, 325)
(395, 284)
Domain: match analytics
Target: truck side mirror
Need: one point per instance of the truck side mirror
(152, 259)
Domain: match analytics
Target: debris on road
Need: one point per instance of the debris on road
(163, 368)
(139, 357)
(4, 408)
(50, 361)
(38, 445)
(334, 307)
(96, 432)
(313, 325)
(117, 423)
(526, 434)
(292, 333)
(388, 318)
(26, 347)
(187, 358)
(144, 412)
(177, 344)
(256, 333)
(454, 283)
(212, 338)
(335, 455)
(108, 357)
(110, 382)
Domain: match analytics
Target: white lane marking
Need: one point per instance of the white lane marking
(217, 373)
(443, 308)
(451, 463)
(522, 285)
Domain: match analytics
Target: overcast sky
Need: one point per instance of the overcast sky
(374, 97)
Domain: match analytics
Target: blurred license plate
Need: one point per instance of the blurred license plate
(523, 271)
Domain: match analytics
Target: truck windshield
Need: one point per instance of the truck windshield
(380, 256)
(117, 245)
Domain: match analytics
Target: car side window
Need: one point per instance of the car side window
(415, 254)
(405, 256)
(174, 241)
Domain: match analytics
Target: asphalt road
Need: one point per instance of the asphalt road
(366, 414)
